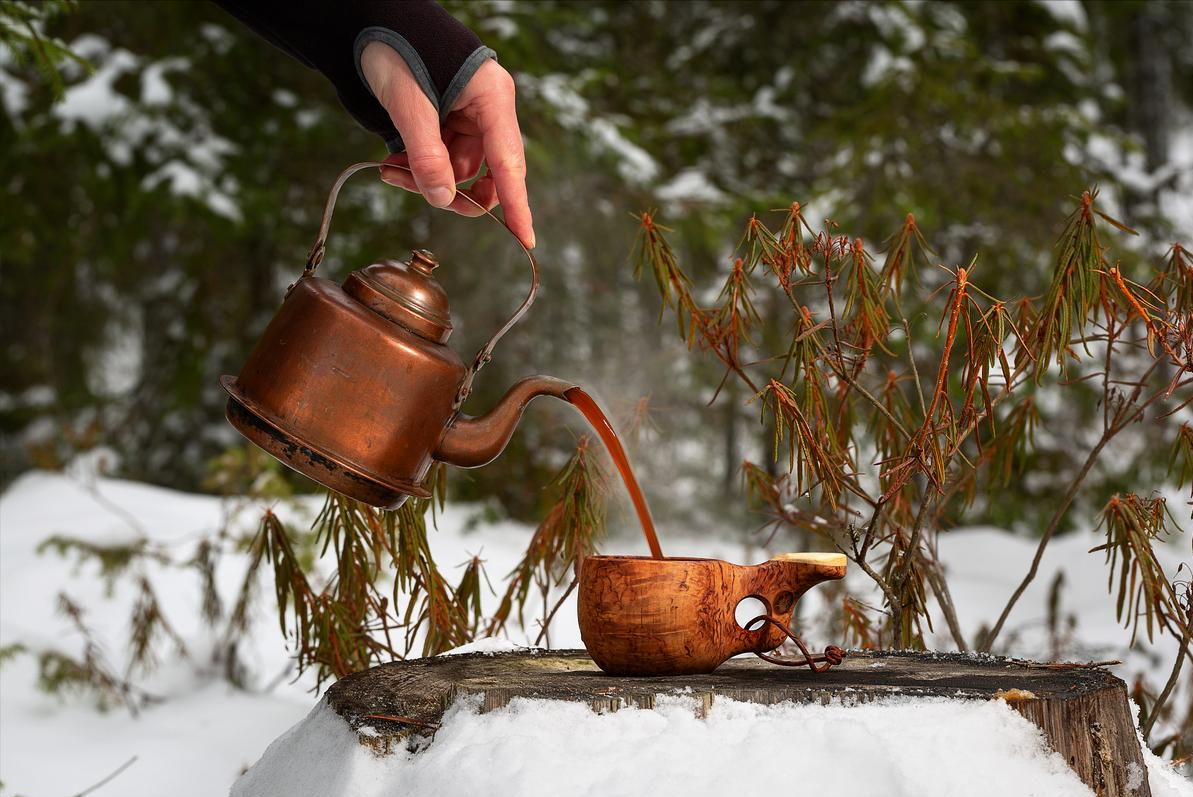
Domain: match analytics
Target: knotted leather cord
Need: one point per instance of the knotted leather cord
(831, 657)
(485, 355)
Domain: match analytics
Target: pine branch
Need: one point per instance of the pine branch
(570, 531)
(1128, 413)
(925, 463)
(1185, 603)
(944, 598)
(904, 250)
(987, 641)
(1132, 524)
(111, 776)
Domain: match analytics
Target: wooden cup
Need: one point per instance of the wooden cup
(675, 616)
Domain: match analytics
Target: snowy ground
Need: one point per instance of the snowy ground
(933, 748)
(204, 733)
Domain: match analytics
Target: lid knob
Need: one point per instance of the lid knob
(423, 260)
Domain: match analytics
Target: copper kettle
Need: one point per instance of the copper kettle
(354, 386)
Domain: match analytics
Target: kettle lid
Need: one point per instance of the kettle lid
(405, 293)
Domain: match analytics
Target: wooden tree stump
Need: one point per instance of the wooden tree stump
(1082, 711)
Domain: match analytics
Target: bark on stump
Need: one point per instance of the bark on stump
(1082, 711)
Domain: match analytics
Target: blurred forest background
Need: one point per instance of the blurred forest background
(153, 216)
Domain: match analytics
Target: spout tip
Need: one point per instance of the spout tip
(824, 559)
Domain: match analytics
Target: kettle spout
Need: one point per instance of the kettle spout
(472, 442)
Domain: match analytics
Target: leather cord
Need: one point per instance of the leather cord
(831, 657)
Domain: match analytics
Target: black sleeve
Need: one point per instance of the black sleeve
(329, 36)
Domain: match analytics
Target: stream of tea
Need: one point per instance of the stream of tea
(598, 420)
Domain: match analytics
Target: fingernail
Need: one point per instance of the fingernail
(530, 244)
(440, 197)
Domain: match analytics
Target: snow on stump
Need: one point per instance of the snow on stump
(1082, 711)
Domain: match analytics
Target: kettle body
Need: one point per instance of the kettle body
(355, 386)
(339, 395)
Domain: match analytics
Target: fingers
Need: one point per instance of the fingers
(399, 177)
(502, 138)
(483, 191)
(418, 124)
(467, 154)
(416, 120)
(485, 129)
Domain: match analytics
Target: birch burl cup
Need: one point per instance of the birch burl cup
(676, 616)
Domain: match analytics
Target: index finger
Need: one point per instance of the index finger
(502, 141)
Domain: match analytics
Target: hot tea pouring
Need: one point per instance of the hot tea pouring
(354, 386)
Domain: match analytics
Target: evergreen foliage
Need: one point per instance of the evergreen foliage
(191, 167)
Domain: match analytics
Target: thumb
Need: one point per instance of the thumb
(417, 122)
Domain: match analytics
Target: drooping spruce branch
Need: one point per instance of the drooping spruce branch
(570, 531)
(22, 28)
(386, 595)
(1183, 591)
(1132, 526)
(850, 381)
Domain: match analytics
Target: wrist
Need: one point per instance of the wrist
(380, 66)
(379, 52)
(389, 54)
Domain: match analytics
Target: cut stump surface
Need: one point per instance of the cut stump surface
(1082, 711)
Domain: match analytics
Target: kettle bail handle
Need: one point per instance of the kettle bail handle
(486, 352)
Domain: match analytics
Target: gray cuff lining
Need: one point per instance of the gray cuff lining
(467, 70)
(402, 48)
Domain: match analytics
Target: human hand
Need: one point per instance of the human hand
(482, 126)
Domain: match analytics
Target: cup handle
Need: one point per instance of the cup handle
(773, 583)
(767, 583)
